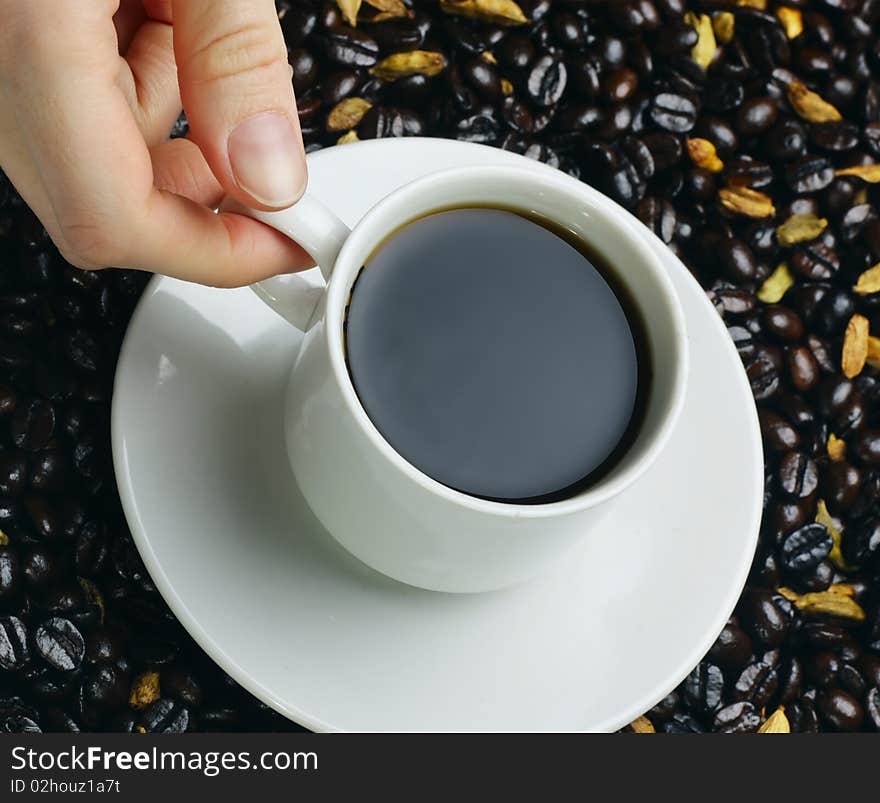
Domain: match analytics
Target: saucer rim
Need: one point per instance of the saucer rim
(316, 723)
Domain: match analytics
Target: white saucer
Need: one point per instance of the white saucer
(206, 487)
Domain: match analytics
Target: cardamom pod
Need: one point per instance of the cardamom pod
(777, 722)
(827, 603)
(776, 285)
(704, 50)
(410, 62)
(873, 357)
(869, 173)
(499, 12)
(347, 114)
(642, 725)
(746, 201)
(506, 87)
(761, 5)
(93, 596)
(348, 136)
(724, 24)
(855, 346)
(868, 282)
(703, 154)
(824, 518)
(800, 229)
(349, 9)
(4, 539)
(792, 21)
(836, 448)
(809, 105)
(144, 690)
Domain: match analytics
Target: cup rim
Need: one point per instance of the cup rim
(612, 217)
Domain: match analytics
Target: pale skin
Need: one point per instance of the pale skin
(89, 91)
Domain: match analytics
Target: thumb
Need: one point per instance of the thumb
(236, 87)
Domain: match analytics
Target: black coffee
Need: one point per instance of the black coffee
(496, 356)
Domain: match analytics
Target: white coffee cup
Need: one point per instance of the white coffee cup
(378, 506)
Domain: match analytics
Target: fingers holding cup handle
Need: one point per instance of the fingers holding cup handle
(296, 296)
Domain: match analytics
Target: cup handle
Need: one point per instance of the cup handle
(296, 296)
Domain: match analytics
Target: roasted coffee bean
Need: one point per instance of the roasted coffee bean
(703, 688)
(809, 174)
(733, 647)
(737, 718)
(736, 260)
(14, 651)
(683, 723)
(755, 116)
(547, 80)
(841, 483)
(673, 112)
(179, 682)
(305, 70)
(872, 708)
(791, 680)
(350, 47)
(14, 470)
(822, 668)
(60, 644)
(798, 475)
(861, 541)
(166, 716)
(803, 370)
(783, 517)
(783, 323)
(11, 575)
(816, 261)
(763, 375)
(839, 710)
(764, 617)
(866, 447)
(805, 547)
(33, 425)
(757, 683)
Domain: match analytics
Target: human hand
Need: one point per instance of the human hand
(88, 96)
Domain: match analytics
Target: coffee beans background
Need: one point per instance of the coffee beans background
(742, 133)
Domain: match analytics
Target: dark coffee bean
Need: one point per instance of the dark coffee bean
(104, 646)
(350, 47)
(783, 323)
(802, 716)
(723, 95)
(339, 85)
(732, 649)
(683, 723)
(757, 683)
(179, 682)
(166, 716)
(809, 174)
(48, 471)
(737, 718)
(33, 425)
(856, 220)
(673, 112)
(547, 81)
(787, 516)
(872, 708)
(664, 710)
(816, 261)
(703, 688)
(822, 668)
(821, 352)
(305, 70)
(749, 172)
(839, 710)
(755, 116)
(851, 680)
(841, 483)
(14, 467)
(297, 22)
(835, 137)
(803, 370)
(763, 375)
(10, 573)
(798, 475)
(806, 547)
(765, 618)
(861, 541)
(483, 77)
(620, 85)
(60, 644)
(14, 652)
(105, 687)
(397, 36)
(791, 680)
(736, 260)
(43, 516)
(866, 447)
(41, 567)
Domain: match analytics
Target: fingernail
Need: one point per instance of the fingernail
(267, 159)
